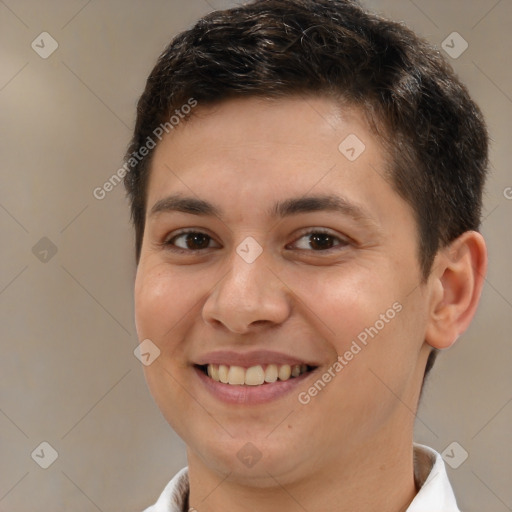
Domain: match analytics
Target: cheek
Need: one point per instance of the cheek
(344, 301)
(370, 320)
(161, 300)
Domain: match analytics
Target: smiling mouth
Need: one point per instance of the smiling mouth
(255, 375)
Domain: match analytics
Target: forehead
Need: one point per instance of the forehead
(247, 150)
(297, 124)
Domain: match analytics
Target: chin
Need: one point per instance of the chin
(258, 464)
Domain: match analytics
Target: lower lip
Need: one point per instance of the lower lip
(248, 395)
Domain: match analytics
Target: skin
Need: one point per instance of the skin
(350, 445)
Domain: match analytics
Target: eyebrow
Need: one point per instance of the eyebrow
(281, 209)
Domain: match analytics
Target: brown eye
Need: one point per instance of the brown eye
(320, 240)
(190, 241)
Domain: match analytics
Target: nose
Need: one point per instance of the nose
(249, 295)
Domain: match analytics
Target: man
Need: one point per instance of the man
(306, 183)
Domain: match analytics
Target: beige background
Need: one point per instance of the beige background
(67, 372)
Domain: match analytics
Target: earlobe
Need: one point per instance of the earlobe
(457, 284)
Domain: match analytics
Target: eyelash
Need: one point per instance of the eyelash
(169, 245)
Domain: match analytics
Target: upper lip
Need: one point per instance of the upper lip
(248, 359)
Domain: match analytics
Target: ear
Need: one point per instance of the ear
(456, 284)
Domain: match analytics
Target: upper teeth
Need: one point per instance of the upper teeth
(255, 375)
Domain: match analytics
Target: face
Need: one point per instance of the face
(274, 244)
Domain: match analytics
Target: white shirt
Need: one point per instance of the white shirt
(435, 494)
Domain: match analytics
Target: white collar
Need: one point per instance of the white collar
(435, 494)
